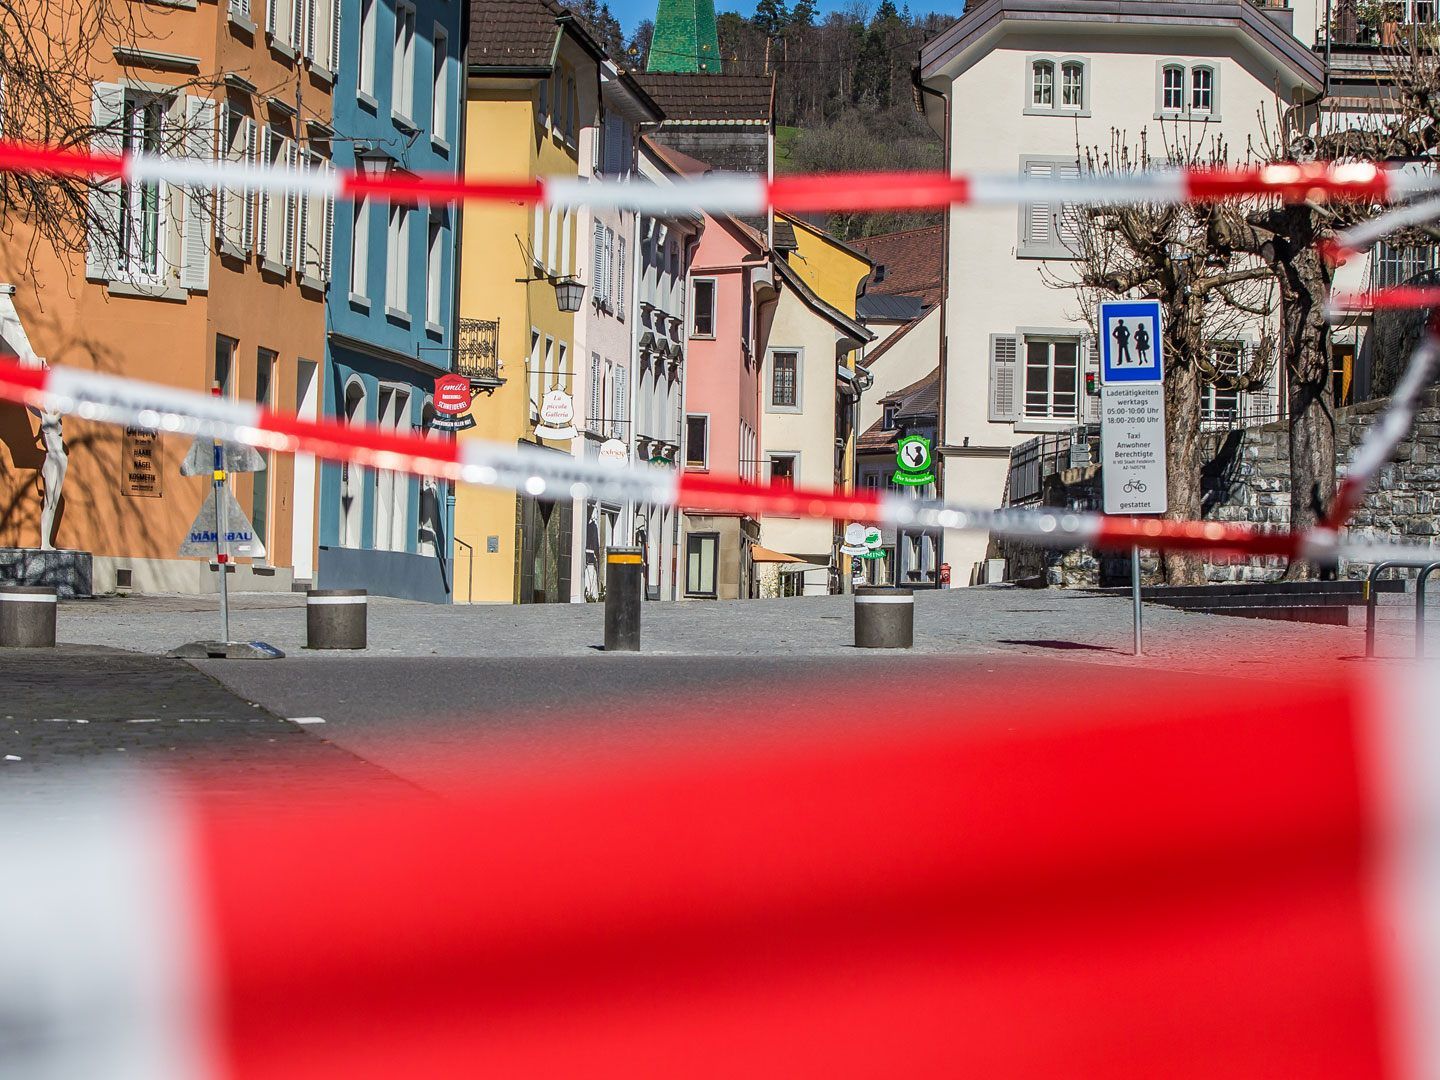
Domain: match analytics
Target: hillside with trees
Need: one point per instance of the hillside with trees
(843, 81)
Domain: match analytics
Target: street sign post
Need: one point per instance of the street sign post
(1132, 420)
(220, 525)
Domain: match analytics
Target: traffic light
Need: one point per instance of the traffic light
(1092, 384)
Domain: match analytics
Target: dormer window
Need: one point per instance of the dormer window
(890, 416)
(1057, 85)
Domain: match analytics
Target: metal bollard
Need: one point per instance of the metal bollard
(624, 586)
(884, 618)
(335, 618)
(1428, 569)
(27, 616)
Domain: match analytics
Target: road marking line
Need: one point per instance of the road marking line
(307, 719)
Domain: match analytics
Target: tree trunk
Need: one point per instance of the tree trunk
(1182, 465)
(1304, 280)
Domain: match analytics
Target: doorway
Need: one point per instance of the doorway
(545, 537)
(302, 529)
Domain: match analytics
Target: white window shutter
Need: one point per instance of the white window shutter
(1004, 377)
(311, 14)
(288, 252)
(593, 420)
(1089, 406)
(1066, 221)
(297, 24)
(609, 265)
(1038, 217)
(222, 153)
(263, 199)
(247, 217)
(620, 281)
(334, 57)
(200, 139)
(272, 15)
(303, 260)
(327, 248)
(597, 263)
(102, 249)
(620, 389)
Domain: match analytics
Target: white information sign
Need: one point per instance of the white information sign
(1132, 447)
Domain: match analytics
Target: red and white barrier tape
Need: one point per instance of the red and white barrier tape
(128, 402)
(1157, 879)
(741, 193)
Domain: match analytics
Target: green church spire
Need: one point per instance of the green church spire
(685, 38)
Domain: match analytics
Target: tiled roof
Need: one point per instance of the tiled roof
(519, 33)
(911, 262)
(687, 97)
(919, 400)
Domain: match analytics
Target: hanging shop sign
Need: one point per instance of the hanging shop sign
(913, 456)
(452, 404)
(557, 416)
(862, 541)
(612, 452)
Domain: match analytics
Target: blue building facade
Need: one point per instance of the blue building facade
(391, 308)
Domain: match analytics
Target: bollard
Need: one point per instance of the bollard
(335, 618)
(27, 616)
(884, 618)
(624, 586)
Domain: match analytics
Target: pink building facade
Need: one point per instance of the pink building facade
(731, 299)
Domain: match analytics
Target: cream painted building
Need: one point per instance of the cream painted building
(1015, 87)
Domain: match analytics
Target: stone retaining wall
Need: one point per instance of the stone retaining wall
(1246, 478)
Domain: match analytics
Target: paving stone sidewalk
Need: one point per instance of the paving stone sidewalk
(953, 622)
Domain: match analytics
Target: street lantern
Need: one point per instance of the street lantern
(569, 294)
(375, 164)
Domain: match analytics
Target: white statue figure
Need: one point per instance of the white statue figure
(52, 472)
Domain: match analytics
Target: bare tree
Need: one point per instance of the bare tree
(1210, 299)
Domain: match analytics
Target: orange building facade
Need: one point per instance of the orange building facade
(190, 288)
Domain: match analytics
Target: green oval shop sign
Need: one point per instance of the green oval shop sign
(913, 456)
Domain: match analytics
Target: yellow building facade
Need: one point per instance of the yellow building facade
(529, 95)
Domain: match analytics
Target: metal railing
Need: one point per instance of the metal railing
(1372, 600)
(477, 349)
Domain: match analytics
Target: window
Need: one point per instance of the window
(1042, 84)
(260, 484)
(1173, 88)
(142, 208)
(1391, 265)
(572, 110)
(368, 39)
(275, 240)
(224, 374)
(359, 246)
(701, 558)
(703, 324)
(234, 213)
(1047, 229)
(1219, 398)
(608, 270)
(392, 491)
(785, 380)
(1072, 85)
(402, 89)
(537, 237)
(594, 419)
(1052, 371)
(440, 85)
(783, 469)
(620, 398)
(435, 274)
(1202, 89)
(889, 412)
(697, 442)
(620, 275)
(397, 263)
(1187, 91)
(599, 280)
(532, 369)
(317, 225)
(552, 249)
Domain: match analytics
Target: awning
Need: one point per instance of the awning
(764, 554)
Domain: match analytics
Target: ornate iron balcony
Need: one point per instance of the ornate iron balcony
(477, 350)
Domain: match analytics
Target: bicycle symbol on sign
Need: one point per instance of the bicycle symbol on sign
(1134, 486)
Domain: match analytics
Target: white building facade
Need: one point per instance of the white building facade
(1015, 87)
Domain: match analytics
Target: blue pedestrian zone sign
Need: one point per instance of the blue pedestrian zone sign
(1130, 342)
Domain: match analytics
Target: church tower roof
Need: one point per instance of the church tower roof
(685, 38)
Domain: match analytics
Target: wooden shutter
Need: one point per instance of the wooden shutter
(333, 61)
(311, 13)
(327, 243)
(247, 218)
(102, 249)
(1066, 221)
(1004, 377)
(593, 420)
(222, 153)
(1037, 219)
(288, 253)
(304, 261)
(621, 393)
(609, 266)
(620, 281)
(199, 142)
(1089, 406)
(272, 15)
(597, 262)
(263, 199)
